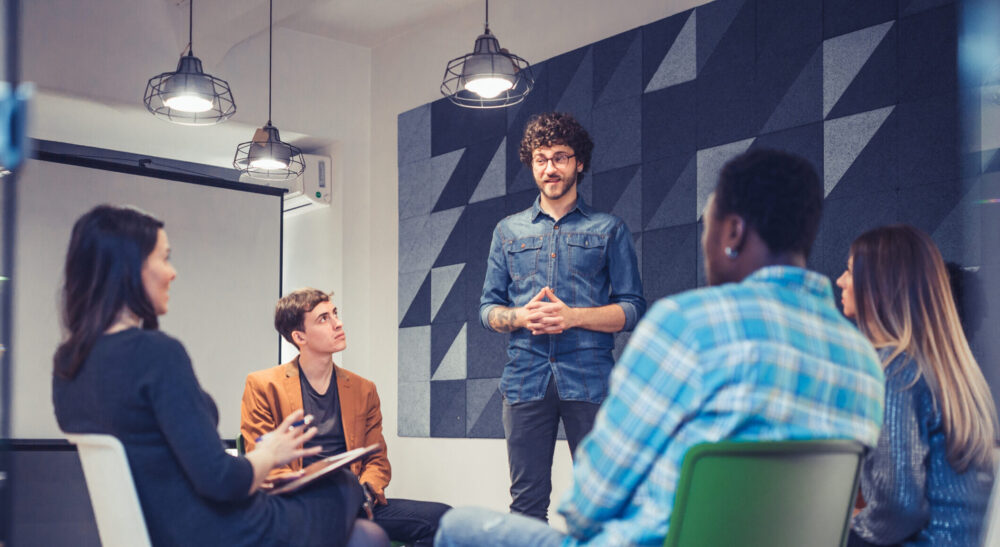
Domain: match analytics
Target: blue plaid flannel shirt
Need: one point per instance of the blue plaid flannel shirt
(770, 358)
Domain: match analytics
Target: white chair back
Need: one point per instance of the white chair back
(120, 522)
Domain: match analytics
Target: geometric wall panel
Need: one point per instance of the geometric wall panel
(680, 63)
(710, 162)
(844, 139)
(843, 58)
(866, 91)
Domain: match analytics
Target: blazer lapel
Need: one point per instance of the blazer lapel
(348, 407)
(293, 389)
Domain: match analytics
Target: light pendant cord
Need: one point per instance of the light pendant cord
(487, 16)
(270, 51)
(190, 27)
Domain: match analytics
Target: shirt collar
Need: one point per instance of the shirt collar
(792, 277)
(581, 205)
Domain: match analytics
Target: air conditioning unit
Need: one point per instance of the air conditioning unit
(310, 191)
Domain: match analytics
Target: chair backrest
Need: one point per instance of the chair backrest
(112, 493)
(991, 522)
(774, 494)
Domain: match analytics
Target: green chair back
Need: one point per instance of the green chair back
(773, 494)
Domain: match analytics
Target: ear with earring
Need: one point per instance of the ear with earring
(732, 253)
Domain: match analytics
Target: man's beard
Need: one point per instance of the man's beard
(562, 187)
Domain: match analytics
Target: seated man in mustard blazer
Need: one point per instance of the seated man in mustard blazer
(344, 406)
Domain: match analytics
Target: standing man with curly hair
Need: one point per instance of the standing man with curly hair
(561, 279)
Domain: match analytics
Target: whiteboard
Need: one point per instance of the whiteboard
(225, 245)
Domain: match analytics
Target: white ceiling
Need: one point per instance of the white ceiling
(369, 22)
(220, 25)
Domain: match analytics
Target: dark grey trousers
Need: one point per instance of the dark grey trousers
(531, 428)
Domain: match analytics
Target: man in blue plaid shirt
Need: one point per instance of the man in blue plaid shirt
(763, 354)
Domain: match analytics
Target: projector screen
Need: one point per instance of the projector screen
(226, 247)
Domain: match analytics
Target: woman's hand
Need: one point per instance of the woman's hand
(279, 447)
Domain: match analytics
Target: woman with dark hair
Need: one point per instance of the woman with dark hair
(928, 481)
(116, 374)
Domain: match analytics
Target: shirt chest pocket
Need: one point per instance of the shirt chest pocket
(522, 257)
(586, 253)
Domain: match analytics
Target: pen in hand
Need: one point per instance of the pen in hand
(304, 421)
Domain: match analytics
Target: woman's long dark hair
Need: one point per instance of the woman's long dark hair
(103, 275)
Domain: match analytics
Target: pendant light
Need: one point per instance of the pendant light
(188, 96)
(266, 157)
(489, 77)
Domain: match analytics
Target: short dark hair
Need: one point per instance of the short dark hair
(290, 313)
(552, 128)
(778, 194)
(103, 275)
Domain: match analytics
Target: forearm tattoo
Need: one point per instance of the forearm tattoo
(502, 319)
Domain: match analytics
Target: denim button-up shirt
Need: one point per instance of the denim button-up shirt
(588, 260)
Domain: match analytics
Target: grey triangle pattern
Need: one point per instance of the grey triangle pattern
(799, 105)
(478, 393)
(579, 94)
(493, 183)
(442, 280)
(725, 12)
(441, 169)
(422, 238)
(414, 354)
(671, 211)
(843, 58)
(414, 200)
(710, 162)
(414, 130)
(844, 139)
(453, 364)
(415, 398)
(629, 206)
(680, 64)
(409, 286)
(628, 69)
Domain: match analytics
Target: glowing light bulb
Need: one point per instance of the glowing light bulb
(489, 87)
(188, 103)
(268, 164)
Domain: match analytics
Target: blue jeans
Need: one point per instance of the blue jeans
(475, 527)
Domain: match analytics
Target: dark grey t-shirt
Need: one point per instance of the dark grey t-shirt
(325, 410)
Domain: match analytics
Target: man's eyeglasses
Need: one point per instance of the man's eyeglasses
(559, 160)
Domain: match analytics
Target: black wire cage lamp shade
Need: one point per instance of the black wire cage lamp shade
(266, 157)
(189, 96)
(489, 77)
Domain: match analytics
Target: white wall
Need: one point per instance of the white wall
(406, 72)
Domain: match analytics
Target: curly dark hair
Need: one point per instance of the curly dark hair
(778, 194)
(552, 128)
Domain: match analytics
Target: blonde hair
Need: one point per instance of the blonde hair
(904, 301)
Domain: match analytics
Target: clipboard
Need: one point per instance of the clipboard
(322, 467)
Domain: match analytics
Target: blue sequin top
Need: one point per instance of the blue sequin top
(914, 495)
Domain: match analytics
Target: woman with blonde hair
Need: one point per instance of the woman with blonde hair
(928, 481)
